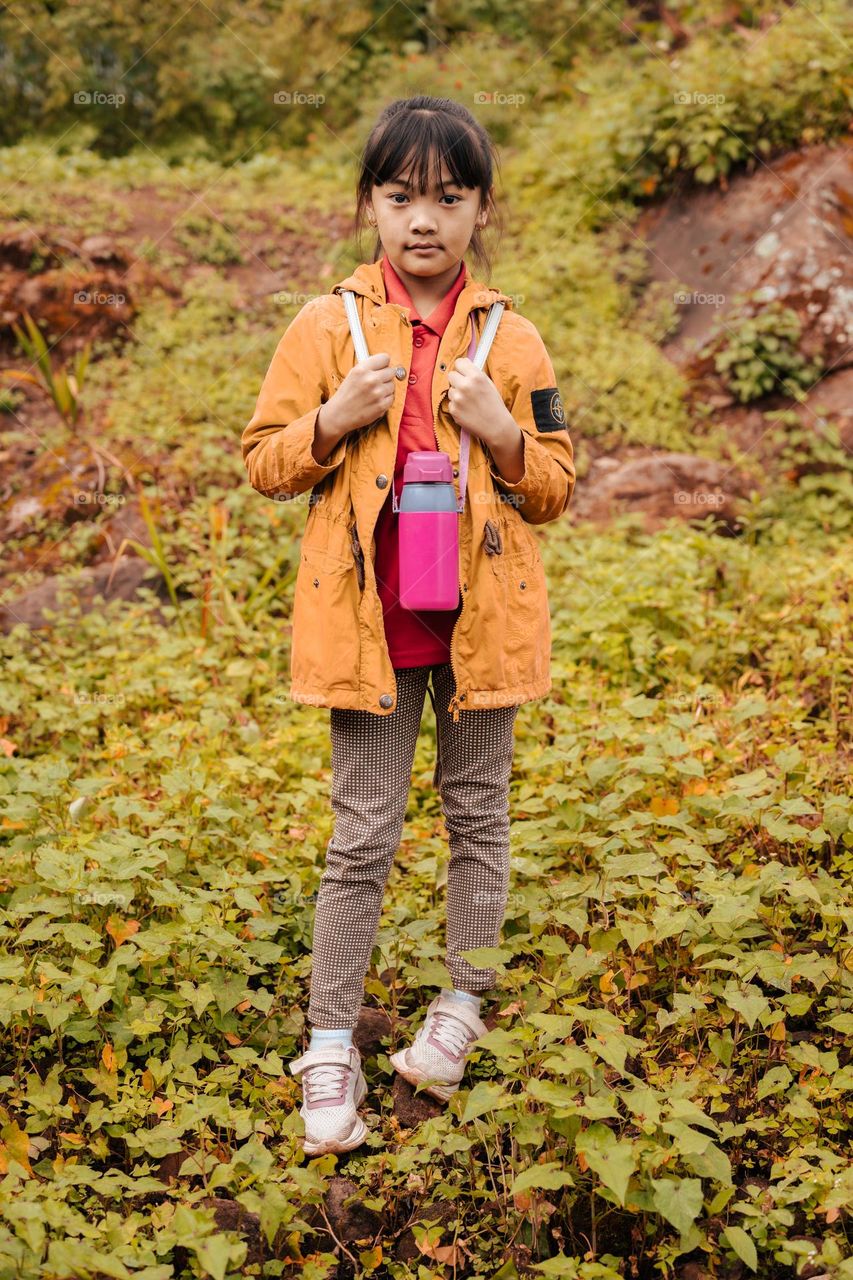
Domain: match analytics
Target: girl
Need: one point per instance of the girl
(343, 430)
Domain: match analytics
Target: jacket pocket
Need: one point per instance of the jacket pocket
(521, 597)
(326, 643)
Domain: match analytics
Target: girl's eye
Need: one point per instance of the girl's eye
(395, 195)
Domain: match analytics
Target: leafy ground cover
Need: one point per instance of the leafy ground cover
(665, 1087)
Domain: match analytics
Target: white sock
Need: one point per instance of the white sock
(455, 994)
(322, 1037)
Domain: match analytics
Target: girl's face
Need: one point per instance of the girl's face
(443, 219)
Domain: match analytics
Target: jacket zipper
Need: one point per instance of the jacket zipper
(455, 700)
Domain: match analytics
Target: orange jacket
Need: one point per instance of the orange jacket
(501, 646)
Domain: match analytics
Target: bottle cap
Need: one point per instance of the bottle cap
(428, 466)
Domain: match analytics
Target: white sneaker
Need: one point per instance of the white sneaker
(332, 1087)
(440, 1049)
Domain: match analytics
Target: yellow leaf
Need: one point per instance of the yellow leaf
(778, 1031)
(662, 805)
(605, 982)
(147, 1081)
(15, 1146)
(120, 930)
(108, 1057)
(162, 1105)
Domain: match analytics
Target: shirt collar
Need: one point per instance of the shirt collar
(439, 318)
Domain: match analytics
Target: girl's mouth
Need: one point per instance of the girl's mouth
(431, 248)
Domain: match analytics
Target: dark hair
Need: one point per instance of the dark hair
(427, 129)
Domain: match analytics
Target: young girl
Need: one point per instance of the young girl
(343, 431)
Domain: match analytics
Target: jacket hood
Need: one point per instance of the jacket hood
(368, 280)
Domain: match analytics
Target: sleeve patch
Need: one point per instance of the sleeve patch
(548, 411)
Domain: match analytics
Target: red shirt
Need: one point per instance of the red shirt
(415, 637)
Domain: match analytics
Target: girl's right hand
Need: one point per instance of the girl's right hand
(366, 394)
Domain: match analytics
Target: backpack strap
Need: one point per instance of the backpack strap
(477, 352)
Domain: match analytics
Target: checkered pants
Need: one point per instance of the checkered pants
(372, 759)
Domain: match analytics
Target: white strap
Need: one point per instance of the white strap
(479, 358)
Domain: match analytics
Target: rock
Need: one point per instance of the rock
(349, 1218)
(372, 1026)
(411, 1108)
(71, 301)
(661, 486)
(85, 587)
(713, 246)
(231, 1216)
(18, 249)
(406, 1248)
(832, 399)
(103, 249)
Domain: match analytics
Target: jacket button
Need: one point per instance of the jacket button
(456, 471)
(522, 584)
(413, 377)
(400, 371)
(386, 700)
(381, 481)
(316, 582)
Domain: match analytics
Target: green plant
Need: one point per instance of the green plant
(756, 352)
(63, 387)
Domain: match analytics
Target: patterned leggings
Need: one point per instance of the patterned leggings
(372, 759)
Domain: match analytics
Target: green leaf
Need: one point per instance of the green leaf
(679, 1200)
(548, 1176)
(613, 1160)
(743, 1245)
(484, 1097)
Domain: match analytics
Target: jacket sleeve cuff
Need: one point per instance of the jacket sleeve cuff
(303, 470)
(517, 486)
(545, 487)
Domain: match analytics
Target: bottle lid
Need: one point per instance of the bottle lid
(428, 466)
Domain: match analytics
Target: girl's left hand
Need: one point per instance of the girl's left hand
(475, 403)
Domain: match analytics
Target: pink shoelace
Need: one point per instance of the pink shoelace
(449, 1034)
(325, 1084)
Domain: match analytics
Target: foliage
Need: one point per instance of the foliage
(63, 388)
(668, 1084)
(757, 352)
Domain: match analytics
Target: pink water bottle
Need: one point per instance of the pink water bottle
(428, 509)
(429, 533)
